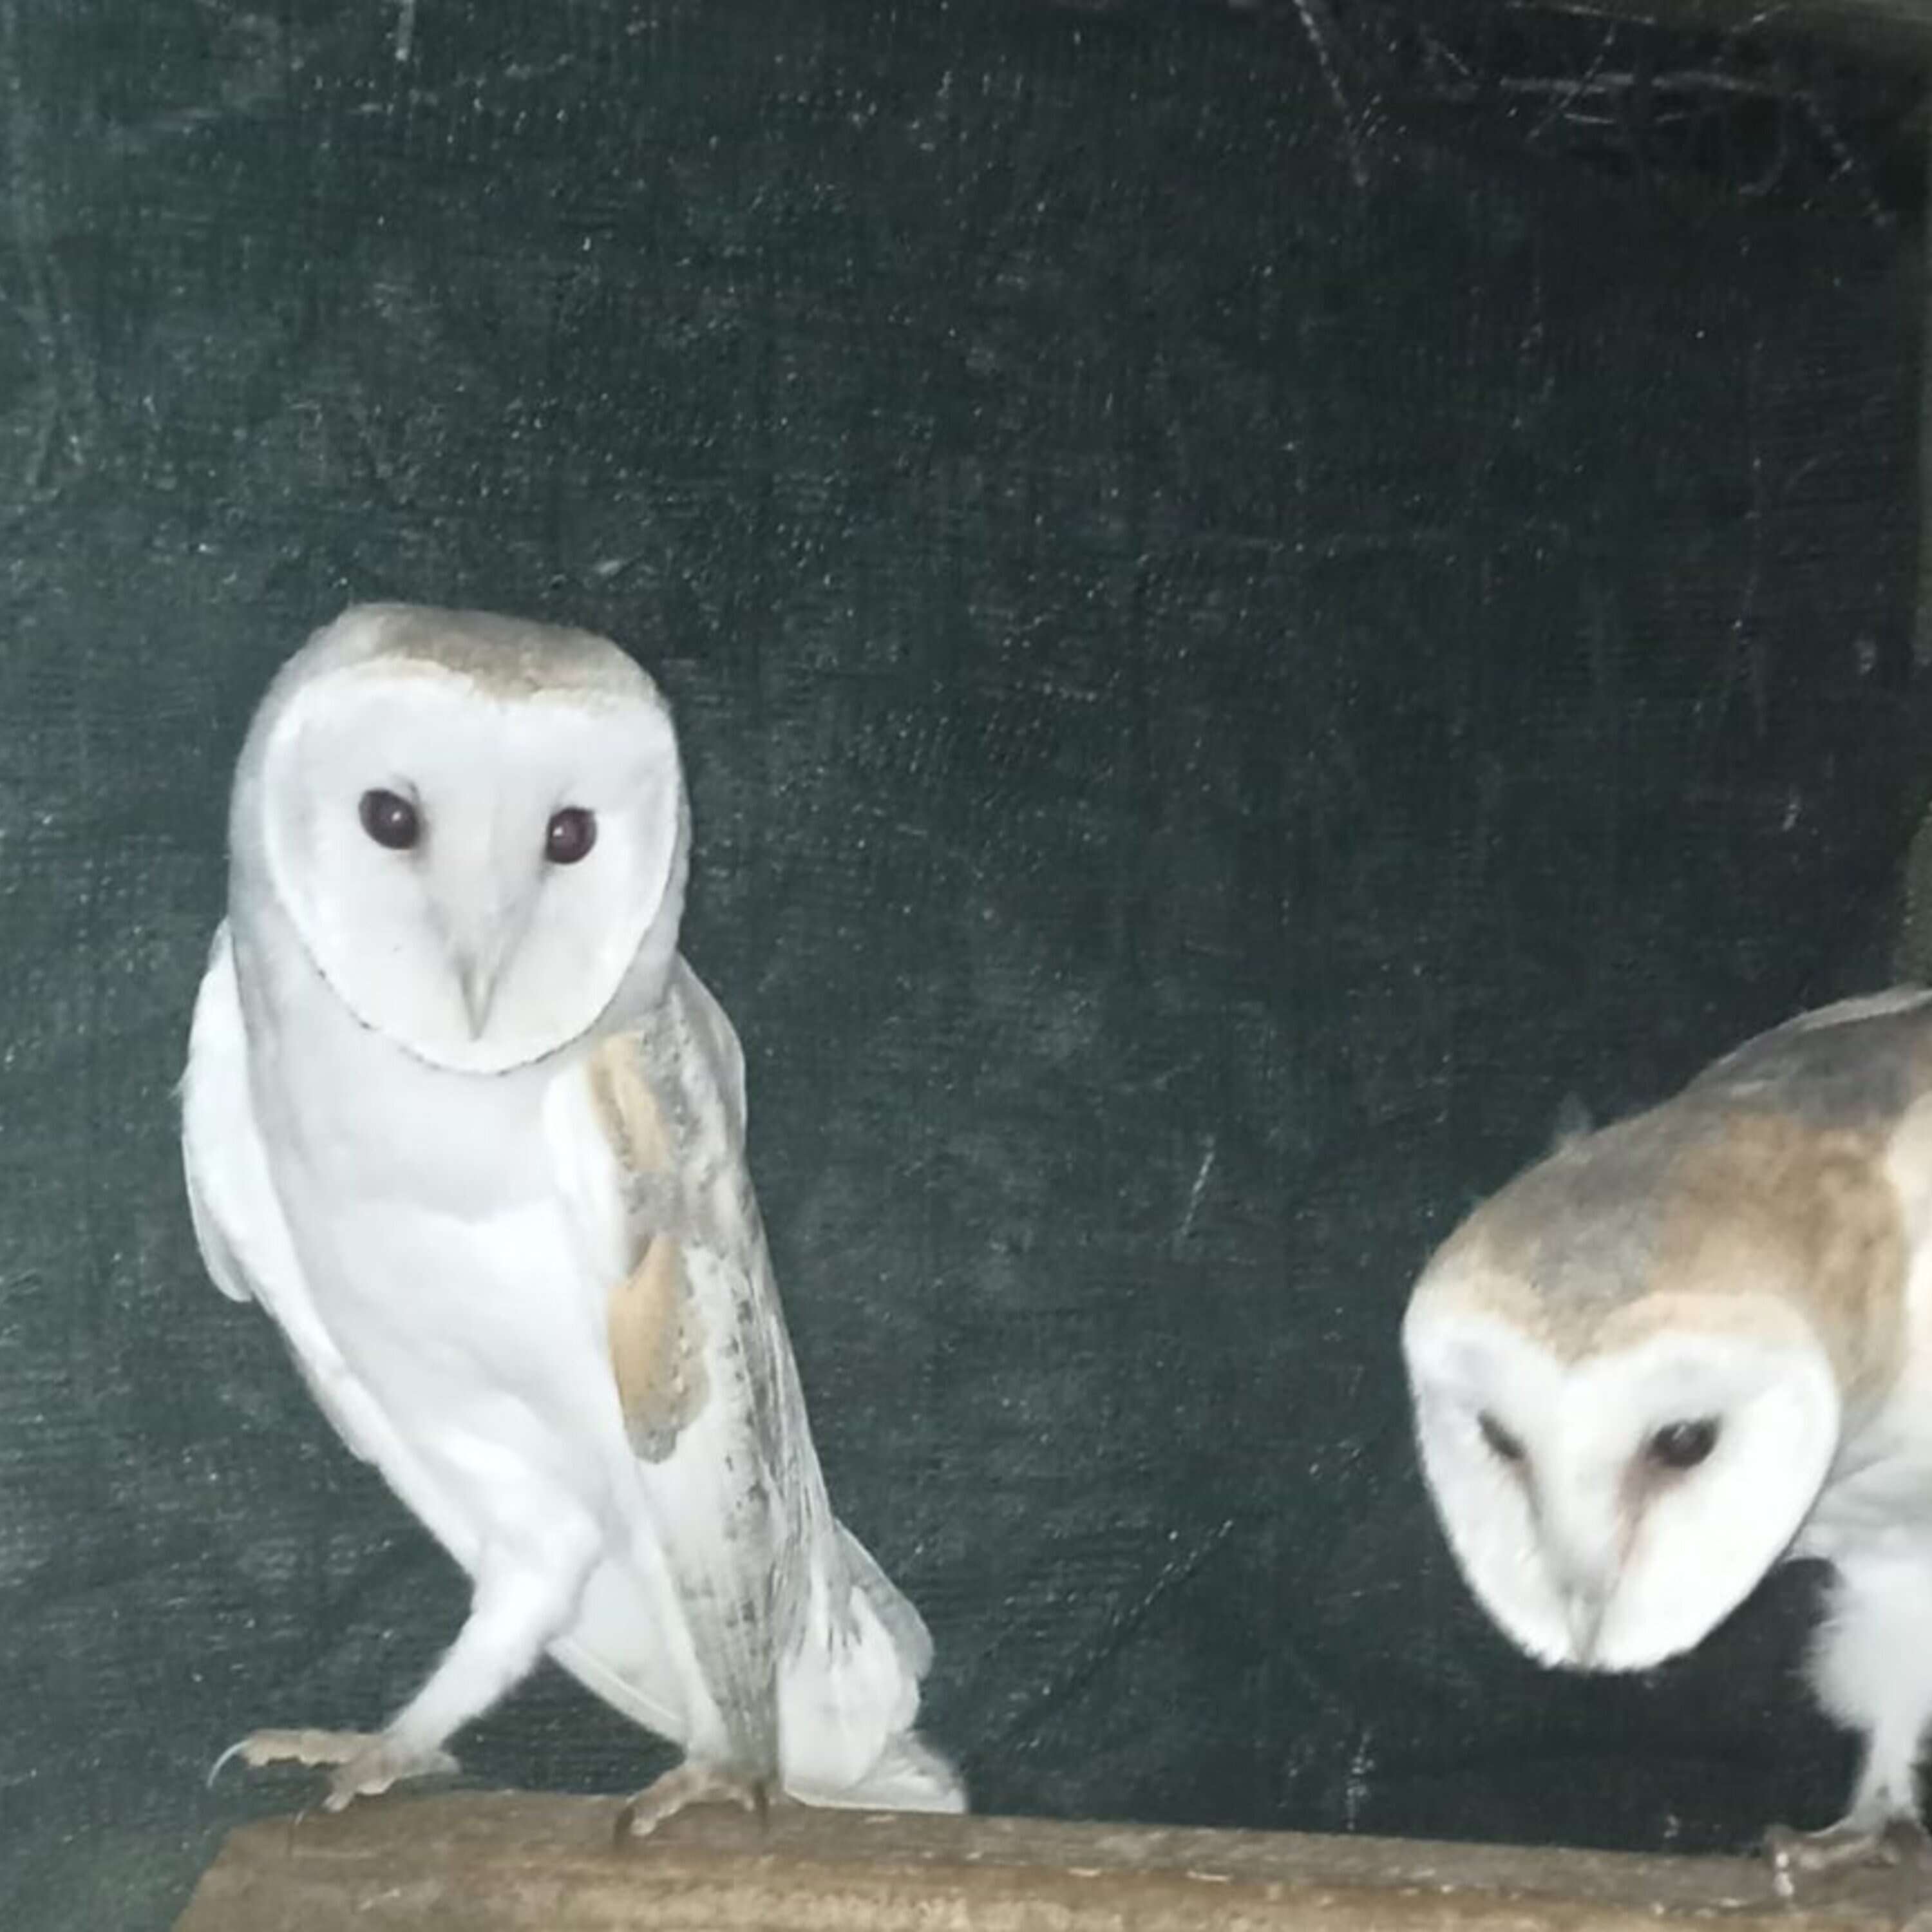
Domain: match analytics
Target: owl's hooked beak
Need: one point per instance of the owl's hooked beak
(1582, 1559)
(478, 978)
(1583, 1607)
(480, 950)
(1582, 1531)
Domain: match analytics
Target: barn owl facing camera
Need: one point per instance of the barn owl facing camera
(462, 1120)
(1680, 1350)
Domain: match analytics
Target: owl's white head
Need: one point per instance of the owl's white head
(476, 827)
(1616, 1462)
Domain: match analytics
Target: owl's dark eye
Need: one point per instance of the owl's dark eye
(390, 820)
(1682, 1445)
(569, 835)
(1500, 1440)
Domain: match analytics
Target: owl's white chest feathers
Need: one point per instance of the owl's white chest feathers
(441, 1259)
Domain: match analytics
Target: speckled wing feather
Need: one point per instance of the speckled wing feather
(703, 1365)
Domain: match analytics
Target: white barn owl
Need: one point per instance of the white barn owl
(458, 1115)
(1696, 1342)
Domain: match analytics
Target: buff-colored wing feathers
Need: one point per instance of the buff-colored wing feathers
(627, 1107)
(657, 1351)
(656, 1338)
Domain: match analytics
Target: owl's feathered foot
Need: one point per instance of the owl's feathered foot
(367, 1766)
(688, 1785)
(1900, 1842)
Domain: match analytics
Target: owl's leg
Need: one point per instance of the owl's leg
(1872, 1670)
(526, 1593)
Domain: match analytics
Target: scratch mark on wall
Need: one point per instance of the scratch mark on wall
(1111, 1639)
(1195, 1193)
(1319, 25)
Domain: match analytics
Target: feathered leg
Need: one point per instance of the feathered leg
(1872, 1671)
(526, 1593)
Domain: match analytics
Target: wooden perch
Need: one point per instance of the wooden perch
(515, 1862)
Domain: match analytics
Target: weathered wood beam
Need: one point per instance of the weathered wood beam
(515, 1862)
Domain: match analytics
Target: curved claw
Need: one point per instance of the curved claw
(307, 1746)
(215, 1770)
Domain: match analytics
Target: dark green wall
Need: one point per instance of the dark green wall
(1217, 691)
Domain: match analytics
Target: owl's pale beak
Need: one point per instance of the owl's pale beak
(481, 956)
(478, 978)
(482, 909)
(1583, 1608)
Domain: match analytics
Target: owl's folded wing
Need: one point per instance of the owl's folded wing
(698, 1352)
(245, 1237)
(238, 1223)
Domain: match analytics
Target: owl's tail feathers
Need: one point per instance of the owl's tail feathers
(909, 1775)
(903, 1623)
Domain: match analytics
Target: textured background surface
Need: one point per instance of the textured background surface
(1234, 646)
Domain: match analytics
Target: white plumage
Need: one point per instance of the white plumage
(1680, 1350)
(462, 1120)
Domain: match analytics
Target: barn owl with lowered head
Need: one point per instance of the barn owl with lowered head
(1681, 1349)
(459, 1116)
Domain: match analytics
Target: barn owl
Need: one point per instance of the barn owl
(458, 1115)
(1682, 1349)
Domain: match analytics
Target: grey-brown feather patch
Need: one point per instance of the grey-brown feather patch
(1770, 1200)
(1706, 1201)
(508, 657)
(1858, 1064)
(657, 1351)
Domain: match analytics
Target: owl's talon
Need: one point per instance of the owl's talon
(295, 1747)
(368, 1764)
(1900, 1842)
(1905, 1842)
(372, 1773)
(688, 1785)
